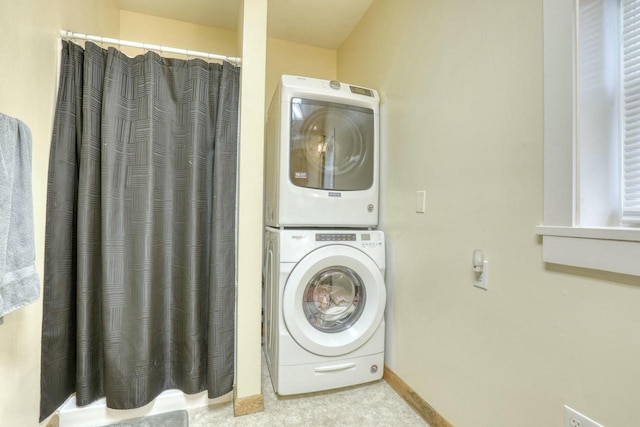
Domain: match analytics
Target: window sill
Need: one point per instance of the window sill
(609, 249)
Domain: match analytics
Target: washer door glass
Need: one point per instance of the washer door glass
(331, 145)
(333, 299)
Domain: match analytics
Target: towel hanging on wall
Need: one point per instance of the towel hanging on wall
(19, 284)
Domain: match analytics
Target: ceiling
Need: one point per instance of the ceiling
(324, 23)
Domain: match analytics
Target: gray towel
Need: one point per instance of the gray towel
(19, 284)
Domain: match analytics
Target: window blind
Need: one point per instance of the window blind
(631, 109)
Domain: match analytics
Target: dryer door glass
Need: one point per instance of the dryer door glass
(332, 145)
(334, 299)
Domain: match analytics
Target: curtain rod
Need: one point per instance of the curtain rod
(69, 35)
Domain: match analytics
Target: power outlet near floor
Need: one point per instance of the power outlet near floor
(573, 418)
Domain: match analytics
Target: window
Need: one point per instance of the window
(631, 109)
(598, 112)
(585, 224)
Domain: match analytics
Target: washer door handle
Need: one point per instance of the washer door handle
(335, 368)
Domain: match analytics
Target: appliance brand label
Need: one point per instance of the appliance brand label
(334, 194)
(297, 237)
(300, 175)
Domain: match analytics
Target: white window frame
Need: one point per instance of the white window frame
(613, 249)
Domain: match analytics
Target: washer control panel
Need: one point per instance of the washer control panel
(369, 240)
(335, 237)
(295, 244)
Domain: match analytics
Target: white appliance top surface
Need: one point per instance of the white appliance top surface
(299, 84)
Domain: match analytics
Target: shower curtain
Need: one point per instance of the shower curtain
(139, 280)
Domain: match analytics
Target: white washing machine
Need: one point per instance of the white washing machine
(321, 159)
(324, 300)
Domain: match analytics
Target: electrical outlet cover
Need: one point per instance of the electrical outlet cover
(573, 418)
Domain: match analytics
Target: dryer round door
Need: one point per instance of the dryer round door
(334, 300)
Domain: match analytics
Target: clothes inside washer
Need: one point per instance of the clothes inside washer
(342, 297)
(329, 308)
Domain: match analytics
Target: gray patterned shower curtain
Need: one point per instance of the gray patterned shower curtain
(139, 280)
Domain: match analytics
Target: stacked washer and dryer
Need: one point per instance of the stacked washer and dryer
(324, 262)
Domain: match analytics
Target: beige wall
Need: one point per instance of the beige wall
(284, 57)
(461, 86)
(170, 32)
(29, 50)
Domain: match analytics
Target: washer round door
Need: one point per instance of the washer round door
(334, 300)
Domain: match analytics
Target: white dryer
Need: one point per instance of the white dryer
(324, 300)
(321, 159)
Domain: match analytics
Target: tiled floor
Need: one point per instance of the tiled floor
(373, 404)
